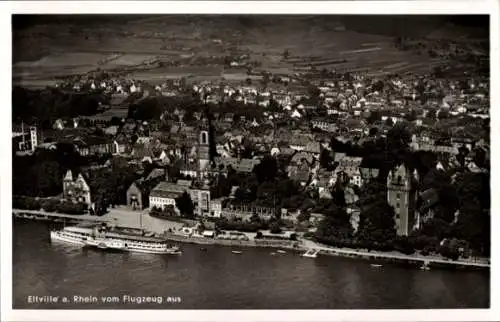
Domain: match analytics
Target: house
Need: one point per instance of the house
(301, 158)
(351, 194)
(135, 196)
(368, 173)
(93, 145)
(111, 130)
(76, 189)
(121, 145)
(324, 125)
(356, 177)
(313, 148)
(216, 206)
(164, 194)
(156, 173)
(200, 195)
(239, 165)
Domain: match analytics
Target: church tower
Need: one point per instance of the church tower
(206, 145)
(401, 196)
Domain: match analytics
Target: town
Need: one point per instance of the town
(351, 158)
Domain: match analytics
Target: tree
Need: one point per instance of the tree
(185, 205)
(474, 220)
(398, 137)
(274, 227)
(441, 115)
(373, 117)
(450, 249)
(267, 169)
(336, 228)
(377, 226)
(326, 160)
(404, 245)
(411, 116)
(378, 86)
(303, 216)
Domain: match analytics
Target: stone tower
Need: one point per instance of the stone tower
(206, 147)
(401, 196)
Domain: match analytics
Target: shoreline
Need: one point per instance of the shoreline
(301, 245)
(412, 261)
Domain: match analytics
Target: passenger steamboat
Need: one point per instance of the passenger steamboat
(102, 238)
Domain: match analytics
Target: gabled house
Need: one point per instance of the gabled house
(76, 189)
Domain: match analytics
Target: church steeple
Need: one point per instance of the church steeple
(206, 143)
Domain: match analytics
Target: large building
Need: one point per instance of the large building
(402, 197)
(24, 138)
(164, 194)
(200, 195)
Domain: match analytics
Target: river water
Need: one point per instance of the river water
(218, 279)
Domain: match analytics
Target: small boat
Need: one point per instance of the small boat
(237, 252)
(273, 254)
(203, 249)
(311, 253)
(281, 251)
(376, 265)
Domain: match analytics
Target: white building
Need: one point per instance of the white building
(164, 194)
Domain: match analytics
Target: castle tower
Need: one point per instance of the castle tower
(401, 196)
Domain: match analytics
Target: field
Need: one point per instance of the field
(50, 48)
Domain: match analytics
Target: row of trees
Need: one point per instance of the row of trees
(40, 174)
(52, 103)
(49, 205)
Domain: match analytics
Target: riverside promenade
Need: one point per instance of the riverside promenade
(126, 218)
(385, 256)
(120, 216)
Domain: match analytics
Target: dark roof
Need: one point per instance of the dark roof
(165, 194)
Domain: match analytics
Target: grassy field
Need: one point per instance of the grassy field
(59, 46)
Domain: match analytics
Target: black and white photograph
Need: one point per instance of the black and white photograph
(249, 161)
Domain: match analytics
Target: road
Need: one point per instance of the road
(119, 216)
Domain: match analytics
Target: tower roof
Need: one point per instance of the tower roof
(68, 176)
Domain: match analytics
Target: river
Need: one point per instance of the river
(218, 279)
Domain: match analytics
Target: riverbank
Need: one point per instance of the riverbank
(302, 245)
(135, 220)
